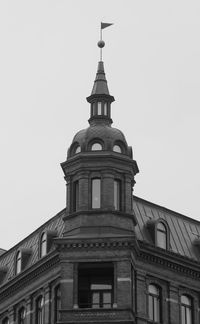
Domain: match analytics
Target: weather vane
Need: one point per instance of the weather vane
(101, 43)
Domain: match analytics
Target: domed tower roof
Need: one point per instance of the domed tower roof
(100, 130)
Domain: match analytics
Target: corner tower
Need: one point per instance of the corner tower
(100, 172)
(98, 247)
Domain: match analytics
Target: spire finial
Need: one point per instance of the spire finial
(101, 43)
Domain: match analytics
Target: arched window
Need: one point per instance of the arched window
(40, 310)
(18, 262)
(22, 315)
(161, 236)
(96, 147)
(77, 149)
(154, 303)
(43, 244)
(117, 148)
(96, 193)
(186, 310)
(57, 302)
(5, 320)
(117, 194)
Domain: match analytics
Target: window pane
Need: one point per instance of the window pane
(96, 193)
(96, 147)
(78, 149)
(99, 108)
(161, 239)
(156, 310)
(117, 148)
(18, 263)
(43, 247)
(75, 197)
(117, 194)
(161, 227)
(107, 299)
(105, 109)
(95, 300)
(150, 307)
(153, 290)
(183, 315)
(185, 300)
(188, 315)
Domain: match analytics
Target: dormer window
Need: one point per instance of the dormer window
(161, 236)
(45, 242)
(18, 262)
(117, 148)
(96, 147)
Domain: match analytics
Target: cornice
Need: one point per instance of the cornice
(169, 260)
(92, 243)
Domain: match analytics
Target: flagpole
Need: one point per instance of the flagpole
(100, 40)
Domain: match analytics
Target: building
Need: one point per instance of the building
(109, 256)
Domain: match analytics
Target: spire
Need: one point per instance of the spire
(100, 99)
(100, 83)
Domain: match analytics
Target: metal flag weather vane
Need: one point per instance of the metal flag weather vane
(101, 43)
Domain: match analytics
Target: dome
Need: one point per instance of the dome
(108, 137)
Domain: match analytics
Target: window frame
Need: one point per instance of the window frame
(184, 307)
(117, 194)
(39, 310)
(164, 232)
(155, 300)
(18, 262)
(43, 243)
(99, 188)
(75, 196)
(22, 319)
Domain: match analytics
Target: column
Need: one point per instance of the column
(124, 284)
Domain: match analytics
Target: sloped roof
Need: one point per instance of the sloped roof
(7, 259)
(183, 230)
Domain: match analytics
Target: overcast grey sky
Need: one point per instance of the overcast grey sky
(48, 61)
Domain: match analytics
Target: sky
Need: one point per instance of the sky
(48, 62)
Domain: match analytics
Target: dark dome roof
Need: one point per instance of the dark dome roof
(105, 134)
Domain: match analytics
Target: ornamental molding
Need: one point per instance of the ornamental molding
(64, 243)
(170, 261)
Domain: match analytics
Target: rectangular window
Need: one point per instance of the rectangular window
(105, 109)
(75, 196)
(95, 285)
(98, 108)
(117, 194)
(96, 193)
